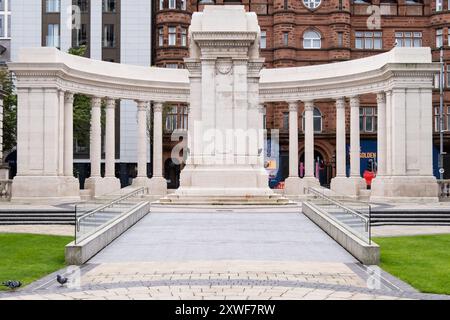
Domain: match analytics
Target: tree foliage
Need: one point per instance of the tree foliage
(9, 111)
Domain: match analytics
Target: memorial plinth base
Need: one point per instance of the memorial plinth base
(221, 185)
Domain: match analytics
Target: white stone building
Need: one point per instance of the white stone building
(112, 30)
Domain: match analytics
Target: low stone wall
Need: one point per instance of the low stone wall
(365, 253)
(80, 253)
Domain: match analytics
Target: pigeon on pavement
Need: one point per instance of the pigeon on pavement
(12, 284)
(61, 280)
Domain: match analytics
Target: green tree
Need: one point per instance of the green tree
(9, 111)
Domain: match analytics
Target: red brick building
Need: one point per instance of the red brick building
(307, 32)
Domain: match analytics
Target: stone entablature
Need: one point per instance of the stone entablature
(51, 68)
(399, 68)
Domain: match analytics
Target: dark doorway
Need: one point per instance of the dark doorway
(172, 174)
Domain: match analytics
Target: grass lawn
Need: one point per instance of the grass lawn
(28, 257)
(421, 261)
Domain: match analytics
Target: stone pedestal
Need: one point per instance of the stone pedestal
(157, 186)
(348, 186)
(99, 186)
(4, 171)
(45, 189)
(308, 182)
(292, 186)
(405, 189)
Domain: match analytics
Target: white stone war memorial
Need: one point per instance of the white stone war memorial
(226, 88)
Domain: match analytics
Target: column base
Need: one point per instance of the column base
(405, 189)
(292, 186)
(99, 186)
(157, 186)
(141, 182)
(45, 189)
(308, 182)
(350, 187)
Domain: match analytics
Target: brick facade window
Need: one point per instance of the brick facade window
(312, 4)
(317, 118)
(439, 38)
(176, 118)
(368, 119)
(161, 4)
(52, 6)
(285, 38)
(263, 40)
(184, 37)
(109, 6)
(160, 37)
(445, 116)
(368, 40)
(439, 5)
(408, 39)
(448, 75)
(172, 36)
(109, 37)
(340, 39)
(172, 4)
(312, 40)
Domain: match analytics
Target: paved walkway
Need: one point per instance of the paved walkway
(224, 236)
(244, 256)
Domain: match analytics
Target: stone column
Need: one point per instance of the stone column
(111, 182)
(142, 178)
(68, 134)
(338, 182)
(357, 183)
(158, 185)
(309, 180)
(355, 147)
(110, 157)
(96, 138)
(309, 139)
(293, 139)
(95, 182)
(381, 134)
(292, 184)
(340, 138)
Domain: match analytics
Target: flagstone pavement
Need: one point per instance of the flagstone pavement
(220, 256)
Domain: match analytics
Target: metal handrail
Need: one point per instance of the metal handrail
(364, 219)
(109, 205)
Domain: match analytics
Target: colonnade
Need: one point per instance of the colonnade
(97, 184)
(353, 183)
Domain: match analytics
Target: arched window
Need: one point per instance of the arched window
(312, 4)
(312, 40)
(317, 119)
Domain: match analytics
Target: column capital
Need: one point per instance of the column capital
(381, 98)
(157, 106)
(110, 103)
(262, 108)
(96, 102)
(354, 102)
(340, 103)
(68, 97)
(142, 105)
(293, 106)
(309, 105)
